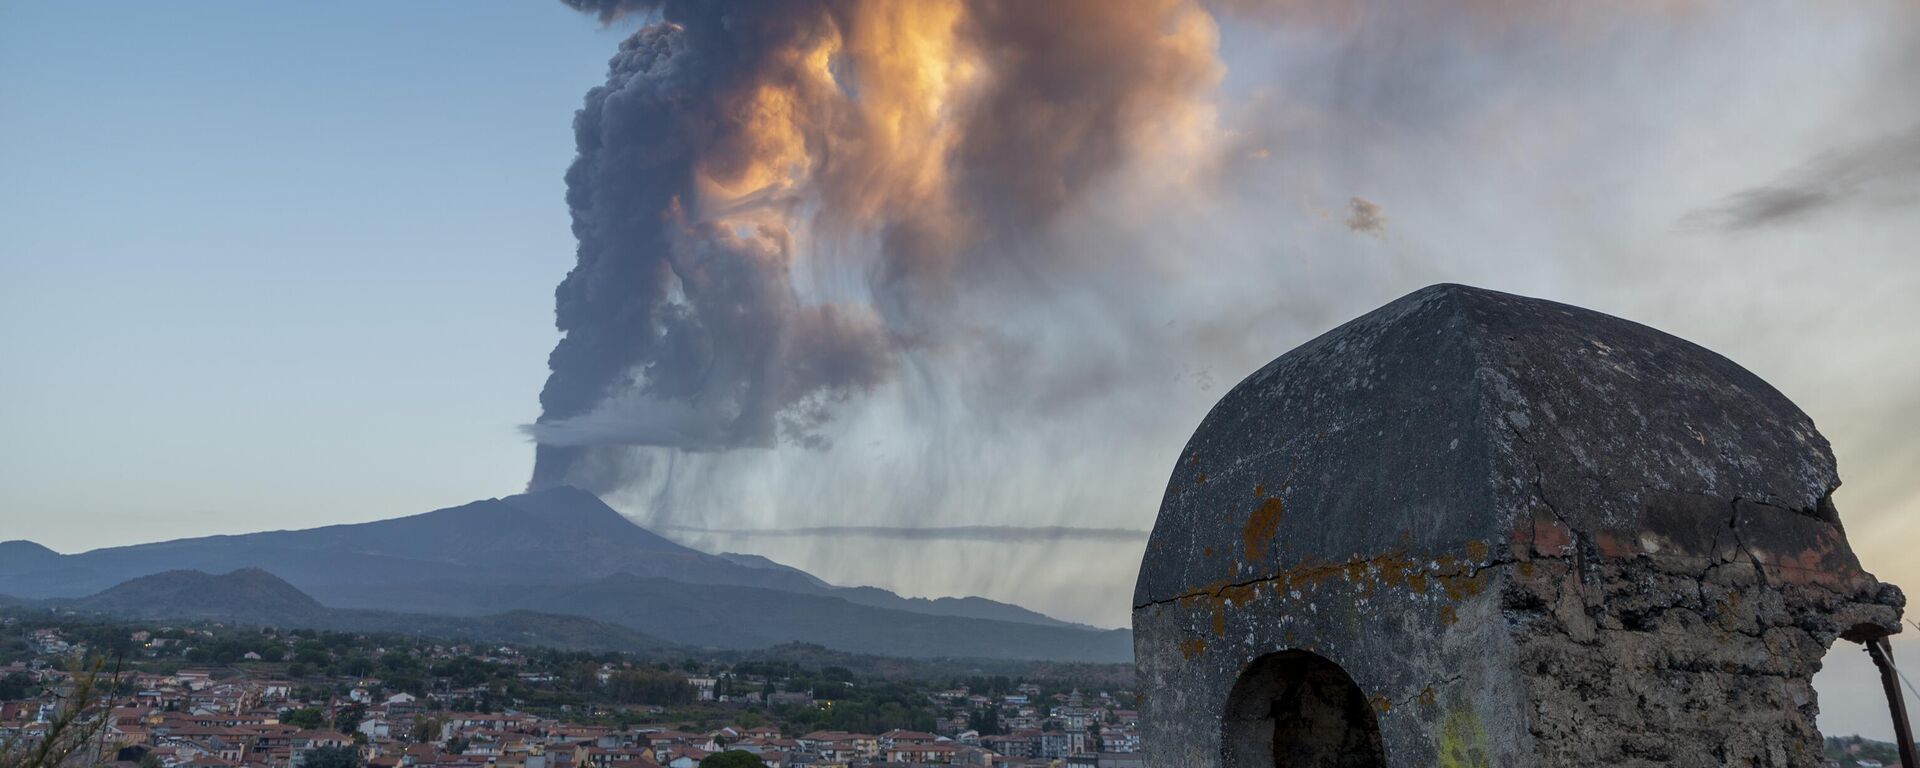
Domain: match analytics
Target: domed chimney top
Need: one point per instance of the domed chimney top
(1483, 426)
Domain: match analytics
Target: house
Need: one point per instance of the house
(376, 728)
(841, 745)
(686, 757)
(898, 737)
(934, 754)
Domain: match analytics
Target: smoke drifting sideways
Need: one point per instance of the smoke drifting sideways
(779, 204)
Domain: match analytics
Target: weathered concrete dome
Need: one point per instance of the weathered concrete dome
(1524, 532)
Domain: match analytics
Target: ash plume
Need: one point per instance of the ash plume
(778, 203)
(1883, 173)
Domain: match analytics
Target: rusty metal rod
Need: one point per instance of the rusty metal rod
(1882, 653)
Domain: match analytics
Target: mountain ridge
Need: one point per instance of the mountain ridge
(556, 547)
(254, 596)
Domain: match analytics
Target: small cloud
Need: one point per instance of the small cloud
(1367, 218)
(1883, 173)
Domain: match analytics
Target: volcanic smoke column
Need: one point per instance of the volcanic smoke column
(926, 142)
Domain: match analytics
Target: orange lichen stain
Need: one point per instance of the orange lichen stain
(1261, 525)
(1200, 479)
(1455, 578)
(1417, 583)
(1476, 549)
(1219, 621)
(1447, 616)
(1381, 703)
(1356, 570)
(1191, 649)
(1459, 586)
(1394, 568)
(1206, 552)
(1427, 697)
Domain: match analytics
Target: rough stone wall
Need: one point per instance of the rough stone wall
(1649, 662)
(1424, 639)
(1532, 534)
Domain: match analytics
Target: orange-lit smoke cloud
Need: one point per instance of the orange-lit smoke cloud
(776, 201)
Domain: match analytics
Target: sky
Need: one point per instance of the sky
(284, 265)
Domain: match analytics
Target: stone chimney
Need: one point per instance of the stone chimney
(1471, 528)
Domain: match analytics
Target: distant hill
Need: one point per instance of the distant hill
(255, 597)
(19, 552)
(559, 550)
(736, 617)
(554, 536)
(251, 592)
(557, 535)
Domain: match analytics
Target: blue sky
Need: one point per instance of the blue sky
(262, 263)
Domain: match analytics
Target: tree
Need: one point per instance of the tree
(986, 720)
(333, 757)
(18, 685)
(641, 685)
(349, 717)
(425, 729)
(67, 736)
(304, 718)
(732, 758)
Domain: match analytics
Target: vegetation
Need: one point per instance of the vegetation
(333, 757)
(732, 758)
(818, 689)
(304, 718)
(69, 738)
(1847, 751)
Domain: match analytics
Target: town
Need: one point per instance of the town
(208, 695)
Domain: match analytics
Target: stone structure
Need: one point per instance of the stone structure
(1471, 528)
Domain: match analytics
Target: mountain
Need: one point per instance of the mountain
(255, 597)
(251, 592)
(558, 535)
(759, 561)
(738, 617)
(970, 607)
(25, 553)
(559, 550)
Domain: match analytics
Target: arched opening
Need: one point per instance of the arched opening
(1295, 709)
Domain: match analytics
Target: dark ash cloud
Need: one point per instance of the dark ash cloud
(1876, 174)
(923, 148)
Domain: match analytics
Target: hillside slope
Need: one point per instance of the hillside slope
(255, 597)
(737, 617)
(555, 536)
